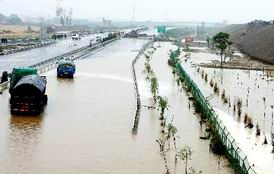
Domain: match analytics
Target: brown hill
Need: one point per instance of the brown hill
(255, 39)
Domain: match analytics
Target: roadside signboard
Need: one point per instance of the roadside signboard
(161, 29)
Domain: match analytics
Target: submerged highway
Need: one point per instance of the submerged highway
(33, 56)
(86, 125)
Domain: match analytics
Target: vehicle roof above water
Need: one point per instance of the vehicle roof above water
(18, 73)
(24, 70)
(32, 84)
(66, 62)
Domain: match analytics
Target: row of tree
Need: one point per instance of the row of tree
(169, 131)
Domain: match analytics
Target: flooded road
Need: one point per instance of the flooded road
(86, 126)
(33, 56)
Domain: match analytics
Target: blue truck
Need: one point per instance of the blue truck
(66, 68)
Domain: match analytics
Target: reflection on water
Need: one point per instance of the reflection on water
(86, 126)
(23, 137)
(187, 123)
(65, 80)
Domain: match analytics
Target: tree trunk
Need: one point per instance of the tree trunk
(186, 164)
(221, 59)
(167, 169)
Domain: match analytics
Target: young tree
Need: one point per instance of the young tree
(174, 58)
(221, 42)
(154, 87)
(185, 155)
(171, 133)
(208, 40)
(163, 151)
(163, 105)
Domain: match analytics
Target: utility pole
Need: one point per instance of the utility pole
(133, 6)
(42, 30)
(107, 24)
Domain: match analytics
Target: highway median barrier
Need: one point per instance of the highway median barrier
(135, 82)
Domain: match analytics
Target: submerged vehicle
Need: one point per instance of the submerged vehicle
(27, 90)
(66, 68)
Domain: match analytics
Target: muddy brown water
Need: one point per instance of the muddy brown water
(86, 126)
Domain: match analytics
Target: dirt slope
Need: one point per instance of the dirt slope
(255, 40)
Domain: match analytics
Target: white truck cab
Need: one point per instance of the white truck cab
(76, 37)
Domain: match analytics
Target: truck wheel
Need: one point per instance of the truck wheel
(38, 111)
(12, 112)
(45, 99)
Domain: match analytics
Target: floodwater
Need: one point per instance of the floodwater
(256, 91)
(86, 126)
(33, 56)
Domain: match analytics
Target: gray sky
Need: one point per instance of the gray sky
(234, 11)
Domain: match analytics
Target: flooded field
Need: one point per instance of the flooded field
(86, 126)
(253, 91)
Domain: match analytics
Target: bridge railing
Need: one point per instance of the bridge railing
(235, 155)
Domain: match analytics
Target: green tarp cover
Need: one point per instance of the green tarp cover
(30, 85)
(18, 73)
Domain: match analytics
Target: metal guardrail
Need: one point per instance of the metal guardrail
(28, 47)
(137, 94)
(235, 155)
(3, 86)
(73, 55)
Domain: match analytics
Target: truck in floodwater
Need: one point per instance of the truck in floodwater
(66, 68)
(27, 90)
(76, 37)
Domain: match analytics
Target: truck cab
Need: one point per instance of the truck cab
(99, 39)
(66, 68)
(76, 37)
(93, 42)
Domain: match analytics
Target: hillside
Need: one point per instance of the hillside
(255, 39)
(10, 20)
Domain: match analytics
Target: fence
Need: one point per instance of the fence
(235, 155)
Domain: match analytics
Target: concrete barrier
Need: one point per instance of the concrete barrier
(28, 47)
(3, 86)
(135, 82)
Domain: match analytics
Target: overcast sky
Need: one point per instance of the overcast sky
(234, 11)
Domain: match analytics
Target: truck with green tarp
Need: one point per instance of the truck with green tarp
(27, 90)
